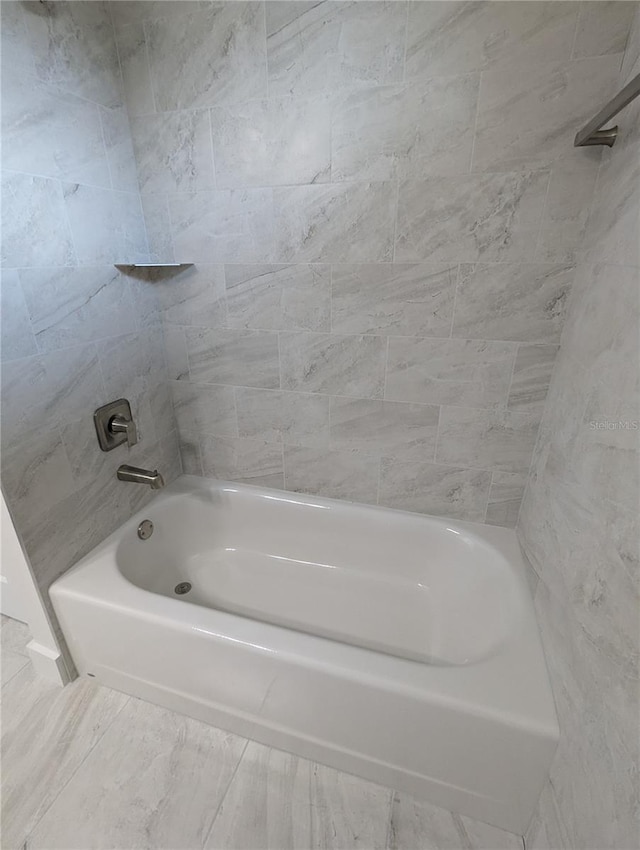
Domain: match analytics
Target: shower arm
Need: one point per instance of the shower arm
(591, 134)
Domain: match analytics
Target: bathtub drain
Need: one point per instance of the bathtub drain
(183, 587)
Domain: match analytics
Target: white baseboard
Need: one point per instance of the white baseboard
(48, 664)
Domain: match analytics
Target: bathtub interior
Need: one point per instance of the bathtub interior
(406, 585)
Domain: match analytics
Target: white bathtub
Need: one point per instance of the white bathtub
(394, 646)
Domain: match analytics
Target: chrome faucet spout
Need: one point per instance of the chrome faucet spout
(140, 476)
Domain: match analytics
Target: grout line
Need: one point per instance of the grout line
(213, 155)
(226, 791)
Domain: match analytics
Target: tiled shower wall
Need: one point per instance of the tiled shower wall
(384, 207)
(580, 520)
(75, 332)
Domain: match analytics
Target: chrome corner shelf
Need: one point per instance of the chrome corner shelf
(152, 271)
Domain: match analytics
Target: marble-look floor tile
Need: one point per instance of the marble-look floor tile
(72, 148)
(72, 305)
(471, 373)
(226, 39)
(528, 121)
(416, 130)
(384, 428)
(227, 226)
(276, 142)
(47, 732)
(490, 217)
(298, 419)
(531, 377)
(498, 440)
(315, 47)
(505, 497)
(14, 635)
(244, 460)
(163, 777)
(107, 226)
(339, 223)
(459, 37)
(338, 474)
(428, 488)
(416, 824)
(73, 46)
(602, 28)
(334, 364)
(16, 334)
(173, 152)
(407, 300)
(277, 297)
(526, 302)
(193, 296)
(278, 786)
(11, 663)
(347, 813)
(34, 205)
(204, 408)
(238, 357)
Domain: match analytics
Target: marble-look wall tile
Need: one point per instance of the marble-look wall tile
(276, 142)
(279, 297)
(524, 302)
(602, 28)
(204, 408)
(136, 76)
(498, 440)
(405, 299)
(465, 372)
(227, 226)
(505, 497)
(340, 223)
(459, 37)
(226, 39)
(34, 205)
(107, 226)
(315, 47)
(428, 488)
(173, 152)
(242, 358)
(416, 130)
(74, 47)
(334, 364)
(36, 472)
(350, 474)
(158, 226)
(72, 147)
(71, 305)
(490, 217)
(531, 377)
(193, 296)
(298, 419)
(15, 50)
(16, 335)
(529, 121)
(53, 388)
(119, 148)
(175, 350)
(385, 428)
(244, 460)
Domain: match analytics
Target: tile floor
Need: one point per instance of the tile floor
(86, 767)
